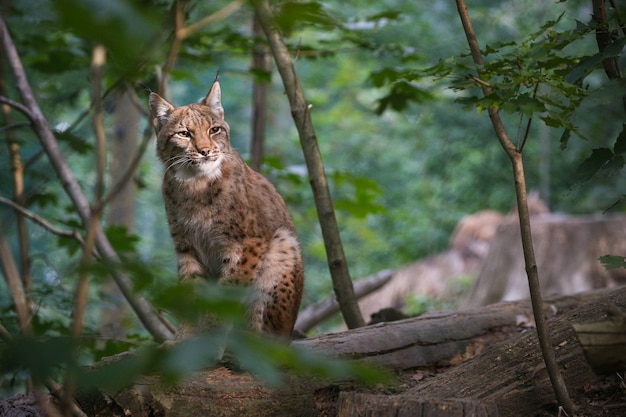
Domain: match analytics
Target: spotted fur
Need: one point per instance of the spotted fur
(227, 221)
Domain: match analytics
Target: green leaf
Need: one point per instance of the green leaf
(77, 143)
(598, 159)
(620, 143)
(401, 95)
(121, 240)
(613, 262)
(294, 15)
(122, 26)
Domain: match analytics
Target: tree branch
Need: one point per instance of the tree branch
(181, 32)
(17, 106)
(300, 111)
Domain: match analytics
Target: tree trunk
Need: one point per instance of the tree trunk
(261, 64)
(121, 209)
(584, 239)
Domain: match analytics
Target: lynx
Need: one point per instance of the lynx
(226, 220)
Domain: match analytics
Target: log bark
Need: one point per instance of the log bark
(509, 374)
(353, 404)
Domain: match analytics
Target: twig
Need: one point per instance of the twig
(14, 126)
(481, 82)
(181, 32)
(42, 222)
(221, 14)
(17, 106)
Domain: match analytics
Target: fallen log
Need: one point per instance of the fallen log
(513, 375)
(503, 374)
(316, 313)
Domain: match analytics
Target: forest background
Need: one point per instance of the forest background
(406, 153)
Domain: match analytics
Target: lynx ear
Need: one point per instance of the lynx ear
(160, 110)
(214, 99)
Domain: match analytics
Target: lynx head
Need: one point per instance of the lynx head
(193, 140)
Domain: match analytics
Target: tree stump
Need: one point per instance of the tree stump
(567, 249)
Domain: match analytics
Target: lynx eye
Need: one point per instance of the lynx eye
(184, 133)
(215, 129)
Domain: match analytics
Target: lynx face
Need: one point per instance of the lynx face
(192, 140)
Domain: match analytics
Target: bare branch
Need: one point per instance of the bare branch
(221, 14)
(318, 312)
(181, 32)
(14, 126)
(17, 106)
(42, 222)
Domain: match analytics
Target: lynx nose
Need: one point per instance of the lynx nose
(205, 151)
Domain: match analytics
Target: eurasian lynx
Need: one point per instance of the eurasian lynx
(227, 221)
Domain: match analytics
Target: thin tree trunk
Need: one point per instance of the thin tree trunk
(300, 110)
(17, 170)
(261, 63)
(121, 209)
(515, 155)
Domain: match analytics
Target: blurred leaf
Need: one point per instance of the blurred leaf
(620, 142)
(613, 262)
(359, 199)
(293, 15)
(401, 95)
(194, 300)
(122, 241)
(77, 143)
(42, 357)
(598, 159)
(122, 26)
